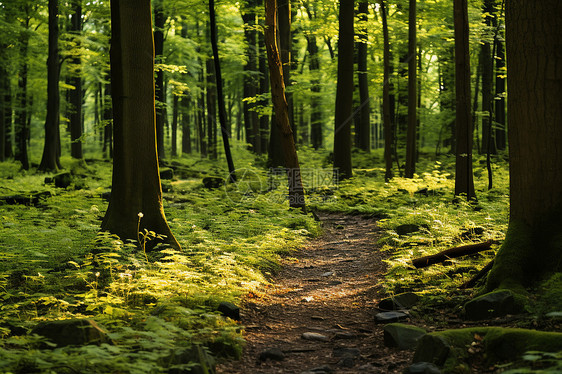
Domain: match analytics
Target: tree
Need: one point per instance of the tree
(136, 195)
(75, 95)
(50, 160)
(344, 93)
(364, 128)
(412, 93)
(387, 116)
(464, 182)
(487, 67)
(161, 113)
(296, 191)
(532, 246)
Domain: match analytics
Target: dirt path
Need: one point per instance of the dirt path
(328, 289)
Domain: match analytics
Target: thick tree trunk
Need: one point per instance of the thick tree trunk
(344, 92)
(387, 116)
(364, 128)
(410, 168)
(76, 95)
(532, 247)
(51, 151)
(136, 196)
(296, 191)
(107, 118)
(464, 183)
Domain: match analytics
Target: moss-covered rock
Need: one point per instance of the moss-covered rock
(450, 347)
(493, 304)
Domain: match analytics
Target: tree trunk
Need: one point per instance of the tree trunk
(532, 247)
(185, 127)
(51, 151)
(412, 94)
(76, 94)
(286, 44)
(107, 118)
(5, 108)
(175, 115)
(364, 128)
(500, 96)
(136, 196)
(264, 129)
(296, 191)
(21, 132)
(159, 23)
(344, 92)
(211, 109)
(220, 94)
(464, 183)
(251, 120)
(316, 121)
(487, 65)
(387, 117)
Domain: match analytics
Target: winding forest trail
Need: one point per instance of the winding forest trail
(327, 291)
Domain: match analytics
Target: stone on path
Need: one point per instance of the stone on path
(401, 301)
(402, 336)
(346, 352)
(422, 368)
(272, 354)
(229, 310)
(314, 336)
(389, 317)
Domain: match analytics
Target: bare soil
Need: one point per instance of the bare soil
(330, 288)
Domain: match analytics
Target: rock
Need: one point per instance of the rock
(229, 310)
(407, 229)
(326, 369)
(213, 182)
(345, 335)
(200, 361)
(402, 336)
(493, 304)
(166, 173)
(314, 336)
(346, 352)
(389, 317)
(347, 362)
(327, 274)
(272, 354)
(432, 348)
(71, 332)
(401, 301)
(62, 180)
(422, 368)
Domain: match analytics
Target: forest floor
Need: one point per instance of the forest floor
(329, 288)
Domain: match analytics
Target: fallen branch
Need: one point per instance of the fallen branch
(462, 250)
(472, 281)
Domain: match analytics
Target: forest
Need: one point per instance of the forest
(280, 186)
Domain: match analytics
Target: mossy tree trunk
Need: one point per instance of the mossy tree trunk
(136, 181)
(533, 245)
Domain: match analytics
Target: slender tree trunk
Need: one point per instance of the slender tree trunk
(175, 115)
(286, 45)
(107, 118)
(159, 23)
(5, 108)
(464, 183)
(500, 96)
(220, 94)
(316, 120)
(387, 116)
(21, 132)
(51, 151)
(412, 94)
(263, 130)
(76, 94)
(186, 127)
(364, 128)
(344, 92)
(136, 196)
(211, 109)
(250, 82)
(296, 191)
(487, 66)
(532, 247)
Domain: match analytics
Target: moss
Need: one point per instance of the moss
(499, 344)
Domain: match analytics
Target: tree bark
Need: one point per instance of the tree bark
(387, 117)
(296, 191)
(76, 94)
(136, 181)
(21, 131)
(464, 183)
(344, 92)
(251, 120)
(364, 128)
(487, 65)
(211, 109)
(410, 168)
(159, 23)
(50, 160)
(532, 247)
(500, 96)
(175, 115)
(186, 127)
